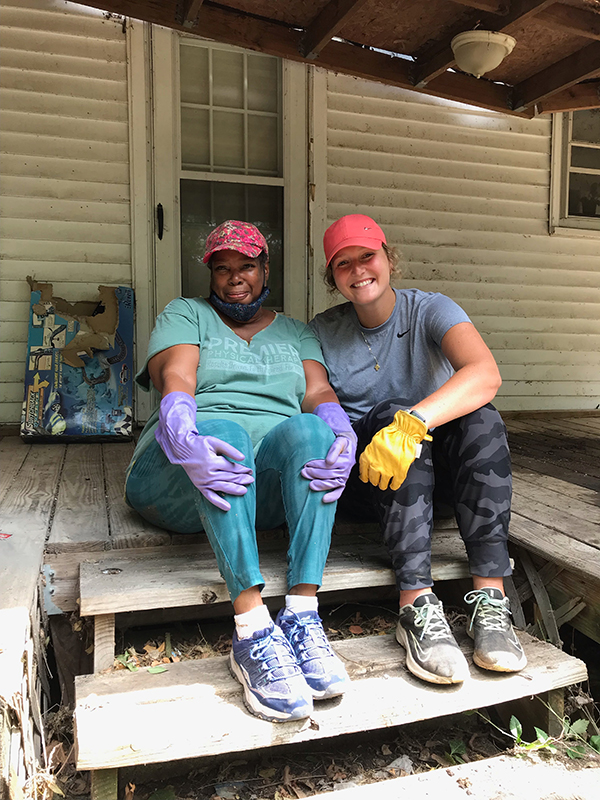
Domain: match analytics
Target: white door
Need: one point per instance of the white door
(230, 142)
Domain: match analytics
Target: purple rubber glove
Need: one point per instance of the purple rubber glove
(202, 457)
(330, 474)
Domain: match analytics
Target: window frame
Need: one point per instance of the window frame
(559, 220)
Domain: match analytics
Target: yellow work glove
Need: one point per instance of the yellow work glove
(392, 450)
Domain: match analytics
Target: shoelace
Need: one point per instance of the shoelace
(431, 618)
(267, 651)
(309, 634)
(493, 614)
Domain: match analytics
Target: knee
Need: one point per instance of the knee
(308, 431)
(228, 431)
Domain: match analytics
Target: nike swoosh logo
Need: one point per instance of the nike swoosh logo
(400, 335)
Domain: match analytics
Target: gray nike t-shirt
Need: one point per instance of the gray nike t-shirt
(407, 348)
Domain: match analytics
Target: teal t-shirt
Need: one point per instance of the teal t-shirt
(257, 384)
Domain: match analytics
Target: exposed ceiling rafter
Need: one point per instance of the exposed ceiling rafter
(579, 66)
(286, 38)
(440, 57)
(188, 12)
(491, 6)
(575, 20)
(575, 98)
(327, 24)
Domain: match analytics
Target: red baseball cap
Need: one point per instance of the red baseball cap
(353, 229)
(235, 235)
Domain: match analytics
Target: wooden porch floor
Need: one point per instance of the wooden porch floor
(62, 511)
(62, 505)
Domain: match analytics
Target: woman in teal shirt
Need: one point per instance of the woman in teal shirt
(249, 434)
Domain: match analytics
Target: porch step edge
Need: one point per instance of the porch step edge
(124, 719)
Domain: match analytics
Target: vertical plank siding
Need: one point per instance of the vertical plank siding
(464, 194)
(64, 168)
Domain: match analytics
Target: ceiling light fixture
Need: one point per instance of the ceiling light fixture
(478, 52)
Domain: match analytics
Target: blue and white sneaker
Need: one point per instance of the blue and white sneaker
(274, 687)
(321, 667)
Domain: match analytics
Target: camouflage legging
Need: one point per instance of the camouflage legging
(467, 466)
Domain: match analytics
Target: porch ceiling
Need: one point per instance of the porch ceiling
(555, 65)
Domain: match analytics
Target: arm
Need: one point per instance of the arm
(174, 369)
(474, 383)
(206, 460)
(318, 389)
(329, 474)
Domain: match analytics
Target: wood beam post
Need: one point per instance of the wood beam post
(326, 24)
(104, 782)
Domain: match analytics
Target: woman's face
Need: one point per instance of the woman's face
(362, 275)
(235, 278)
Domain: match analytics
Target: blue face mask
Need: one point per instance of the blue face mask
(240, 312)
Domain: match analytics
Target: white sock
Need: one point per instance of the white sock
(250, 621)
(299, 603)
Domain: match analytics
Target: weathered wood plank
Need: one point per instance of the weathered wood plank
(25, 511)
(169, 579)
(523, 458)
(13, 452)
(558, 487)
(382, 694)
(562, 437)
(127, 527)
(569, 459)
(81, 520)
(555, 546)
(535, 505)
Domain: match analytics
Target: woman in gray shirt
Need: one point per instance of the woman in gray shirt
(417, 380)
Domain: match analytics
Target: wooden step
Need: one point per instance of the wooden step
(195, 708)
(178, 576)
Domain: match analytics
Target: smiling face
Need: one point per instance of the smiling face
(236, 278)
(362, 275)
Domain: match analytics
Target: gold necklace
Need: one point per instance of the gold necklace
(370, 351)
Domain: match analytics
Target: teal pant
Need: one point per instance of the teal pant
(164, 495)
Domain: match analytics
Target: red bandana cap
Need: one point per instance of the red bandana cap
(235, 235)
(353, 229)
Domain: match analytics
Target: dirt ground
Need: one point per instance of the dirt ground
(305, 770)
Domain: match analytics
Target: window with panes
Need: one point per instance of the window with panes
(231, 154)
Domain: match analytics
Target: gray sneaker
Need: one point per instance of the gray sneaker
(431, 650)
(496, 644)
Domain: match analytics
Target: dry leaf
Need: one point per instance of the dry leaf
(356, 629)
(286, 775)
(129, 791)
(175, 658)
(385, 750)
(268, 773)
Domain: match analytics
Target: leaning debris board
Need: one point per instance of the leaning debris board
(125, 718)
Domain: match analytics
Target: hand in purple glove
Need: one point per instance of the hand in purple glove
(331, 473)
(204, 458)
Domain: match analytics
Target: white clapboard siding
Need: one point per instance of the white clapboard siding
(64, 165)
(464, 194)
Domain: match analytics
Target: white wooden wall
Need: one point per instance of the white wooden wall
(64, 169)
(464, 193)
